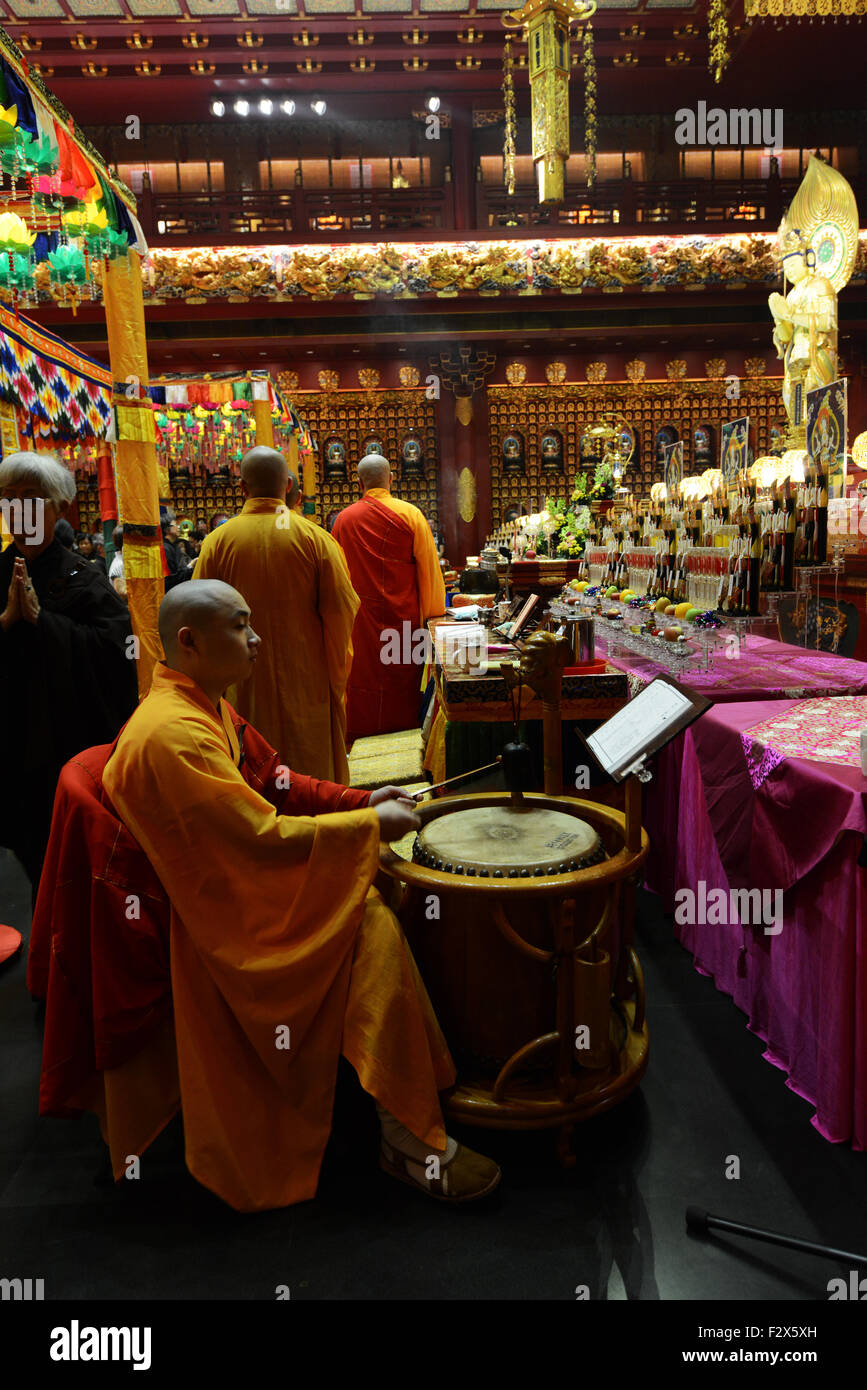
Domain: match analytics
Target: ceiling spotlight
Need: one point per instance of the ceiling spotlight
(218, 108)
(266, 106)
(242, 107)
(288, 107)
(319, 106)
(433, 103)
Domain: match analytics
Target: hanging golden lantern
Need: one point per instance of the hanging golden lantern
(546, 23)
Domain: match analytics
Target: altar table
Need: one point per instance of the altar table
(746, 815)
(762, 669)
(474, 713)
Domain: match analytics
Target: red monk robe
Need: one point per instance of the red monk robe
(273, 927)
(396, 573)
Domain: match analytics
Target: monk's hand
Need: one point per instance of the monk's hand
(27, 599)
(395, 820)
(391, 794)
(12, 612)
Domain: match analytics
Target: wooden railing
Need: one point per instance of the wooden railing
(266, 215)
(631, 203)
(372, 214)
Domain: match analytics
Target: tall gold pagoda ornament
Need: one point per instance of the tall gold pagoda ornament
(818, 241)
(546, 23)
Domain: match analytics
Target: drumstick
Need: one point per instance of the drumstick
(461, 775)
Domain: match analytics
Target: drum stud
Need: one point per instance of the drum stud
(525, 873)
(552, 868)
(574, 865)
(513, 873)
(447, 868)
(498, 873)
(471, 873)
(538, 873)
(459, 868)
(483, 873)
(439, 863)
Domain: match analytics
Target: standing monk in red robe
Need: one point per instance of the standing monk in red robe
(395, 571)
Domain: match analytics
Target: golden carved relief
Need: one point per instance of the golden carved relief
(467, 495)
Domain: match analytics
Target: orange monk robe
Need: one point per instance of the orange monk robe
(276, 934)
(295, 579)
(396, 572)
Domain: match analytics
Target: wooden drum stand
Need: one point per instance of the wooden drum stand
(532, 971)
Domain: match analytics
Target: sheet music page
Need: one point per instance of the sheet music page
(626, 735)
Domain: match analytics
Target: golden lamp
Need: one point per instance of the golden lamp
(546, 23)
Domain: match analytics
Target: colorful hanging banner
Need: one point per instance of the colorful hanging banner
(60, 395)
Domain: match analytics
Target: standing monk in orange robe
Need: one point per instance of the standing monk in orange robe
(282, 954)
(296, 580)
(396, 573)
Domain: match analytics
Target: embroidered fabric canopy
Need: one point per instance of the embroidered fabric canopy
(60, 396)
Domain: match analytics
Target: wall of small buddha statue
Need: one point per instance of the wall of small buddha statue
(346, 425)
(196, 496)
(526, 435)
(539, 435)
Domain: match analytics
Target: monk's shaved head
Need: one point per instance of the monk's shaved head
(374, 471)
(265, 472)
(195, 604)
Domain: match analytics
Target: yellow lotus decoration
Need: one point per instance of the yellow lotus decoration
(73, 222)
(8, 122)
(15, 235)
(95, 219)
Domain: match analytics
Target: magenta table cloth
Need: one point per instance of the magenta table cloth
(740, 820)
(763, 669)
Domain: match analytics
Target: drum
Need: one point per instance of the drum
(512, 912)
(511, 841)
(491, 996)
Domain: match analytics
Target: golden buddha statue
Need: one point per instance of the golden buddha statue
(818, 243)
(805, 332)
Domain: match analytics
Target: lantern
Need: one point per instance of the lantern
(547, 28)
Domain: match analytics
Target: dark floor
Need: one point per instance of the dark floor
(614, 1223)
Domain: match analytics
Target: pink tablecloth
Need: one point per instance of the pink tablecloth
(762, 670)
(799, 827)
(765, 670)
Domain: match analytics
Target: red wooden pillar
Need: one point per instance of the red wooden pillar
(465, 484)
(447, 483)
(463, 163)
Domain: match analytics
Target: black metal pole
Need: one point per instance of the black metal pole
(699, 1222)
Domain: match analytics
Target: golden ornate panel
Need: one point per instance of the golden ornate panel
(647, 405)
(390, 416)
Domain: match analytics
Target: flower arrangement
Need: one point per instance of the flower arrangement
(572, 525)
(602, 487)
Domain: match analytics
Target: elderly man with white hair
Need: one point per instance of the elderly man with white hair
(395, 571)
(67, 671)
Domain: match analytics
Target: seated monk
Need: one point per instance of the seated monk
(283, 955)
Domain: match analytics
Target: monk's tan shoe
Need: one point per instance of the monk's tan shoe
(465, 1177)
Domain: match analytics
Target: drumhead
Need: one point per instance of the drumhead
(508, 841)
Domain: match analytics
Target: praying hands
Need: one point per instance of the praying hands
(21, 600)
